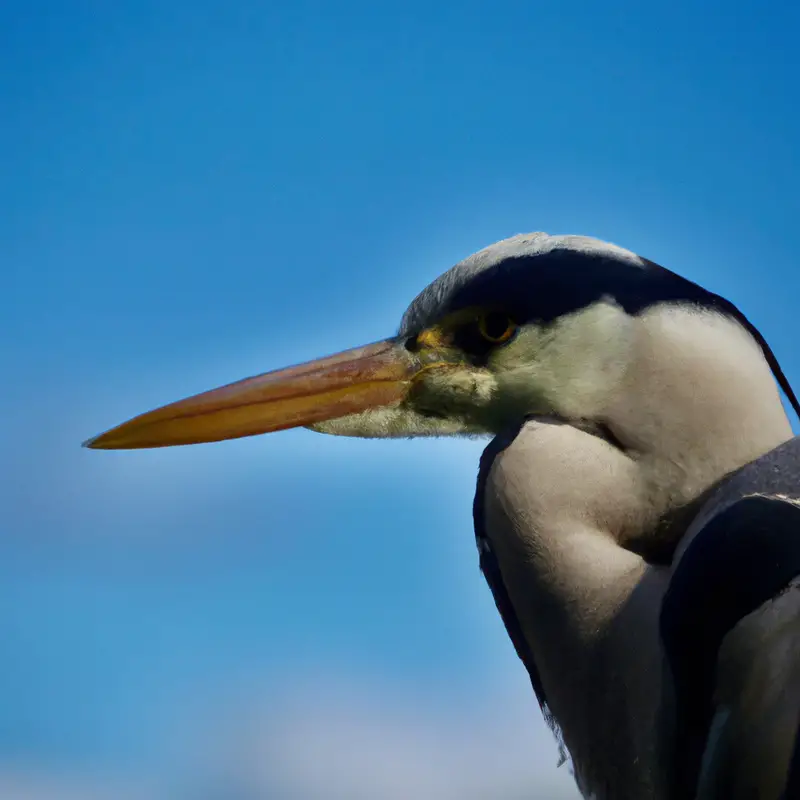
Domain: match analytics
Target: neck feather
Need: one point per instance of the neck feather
(698, 400)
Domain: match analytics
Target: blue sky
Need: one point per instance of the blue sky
(195, 192)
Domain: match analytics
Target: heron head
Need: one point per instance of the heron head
(531, 325)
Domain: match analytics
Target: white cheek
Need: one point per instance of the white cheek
(575, 365)
(457, 392)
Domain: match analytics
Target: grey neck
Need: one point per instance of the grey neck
(698, 401)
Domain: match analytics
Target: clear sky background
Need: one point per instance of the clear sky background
(192, 192)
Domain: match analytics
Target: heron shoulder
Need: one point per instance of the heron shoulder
(729, 623)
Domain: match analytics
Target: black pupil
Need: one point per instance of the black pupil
(495, 324)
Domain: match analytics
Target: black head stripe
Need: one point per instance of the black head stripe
(543, 287)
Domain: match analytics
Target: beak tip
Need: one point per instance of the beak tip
(94, 443)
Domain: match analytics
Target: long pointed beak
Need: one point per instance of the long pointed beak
(354, 380)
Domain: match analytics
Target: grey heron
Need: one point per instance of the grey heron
(636, 512)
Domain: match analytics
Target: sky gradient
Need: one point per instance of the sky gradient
(195, 192)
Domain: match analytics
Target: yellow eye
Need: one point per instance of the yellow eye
(496, 327)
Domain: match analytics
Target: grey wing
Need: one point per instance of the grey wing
(730, 625)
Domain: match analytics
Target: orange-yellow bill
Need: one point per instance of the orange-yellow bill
(355, 380)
